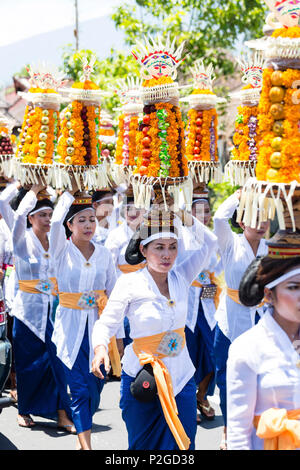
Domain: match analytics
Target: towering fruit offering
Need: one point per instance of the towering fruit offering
(202, 137)
(246, 138)
(79, 147)
(129, 91)
(161, 162)
(277, 183)
(40, 129)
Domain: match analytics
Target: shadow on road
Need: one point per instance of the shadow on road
(215, 423)
(6, 444)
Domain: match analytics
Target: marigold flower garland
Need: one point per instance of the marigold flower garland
(126, 149)
(278, 118)
(161, 145)
(79, 142)
(202, 135)
(38, 143)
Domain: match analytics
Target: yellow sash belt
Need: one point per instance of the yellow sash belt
(145, 349)
(29, 286)
(70, 300)
(131, 268)
(214, 281)
(279, 428)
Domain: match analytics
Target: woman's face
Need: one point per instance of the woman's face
(160, 254)
(133, 216)
(104, 207)
(41, 220)
(83, 225)
(201, 211)
(285, 298)
(256, 233)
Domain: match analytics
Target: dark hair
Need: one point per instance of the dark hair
(15, 202)
(99, 195)
(74, 209)
(261, 272)
(233, 220)
(133, 253)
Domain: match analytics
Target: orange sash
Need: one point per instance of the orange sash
(146, 350)
(214, 281)
(280, 428)
(131, 268)
(71, 299)
(29, 286)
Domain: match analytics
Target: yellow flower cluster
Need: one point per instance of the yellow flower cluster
(241, 135)
(157, 81)
(293, 32)
(200, 132)
(38, 147)
(278, 120)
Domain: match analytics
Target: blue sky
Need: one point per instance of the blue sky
(35, 30)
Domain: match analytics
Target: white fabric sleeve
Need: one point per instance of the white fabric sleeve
(241, 398)
(111, 319)
(58, 239)
(203, 243)
(6, 211)
(113, 245)
(222, 228)
(20, 225)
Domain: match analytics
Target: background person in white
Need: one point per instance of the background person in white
(263, 369)
(237, 251)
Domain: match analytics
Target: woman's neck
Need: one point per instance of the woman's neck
(43, 238)
(254, 243)
(292, 329)
(161, 280)
(84, 246)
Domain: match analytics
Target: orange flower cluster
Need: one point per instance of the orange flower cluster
(78, 144)
(241, 135)
(106, 132)
(278, 118)
(199, 144)
(4, 129)
(126, 149)
(161, 146)
(38, 147)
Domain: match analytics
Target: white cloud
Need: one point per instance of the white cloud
(20, 19)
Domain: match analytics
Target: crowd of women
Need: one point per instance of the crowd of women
(185, 302)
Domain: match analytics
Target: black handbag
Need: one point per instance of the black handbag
(144, 388)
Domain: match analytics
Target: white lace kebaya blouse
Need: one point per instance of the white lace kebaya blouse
(263, 371)
(32, 262)
(76, 274)
(137, 296)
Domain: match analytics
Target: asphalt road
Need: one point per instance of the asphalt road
(108, 433)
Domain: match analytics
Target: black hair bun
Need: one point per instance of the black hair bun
(251, 292)
(233, 221)
(133, 254)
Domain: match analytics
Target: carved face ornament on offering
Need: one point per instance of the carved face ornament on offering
(252, 70)
(287, 12)
(157, 59)
(202, 75)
